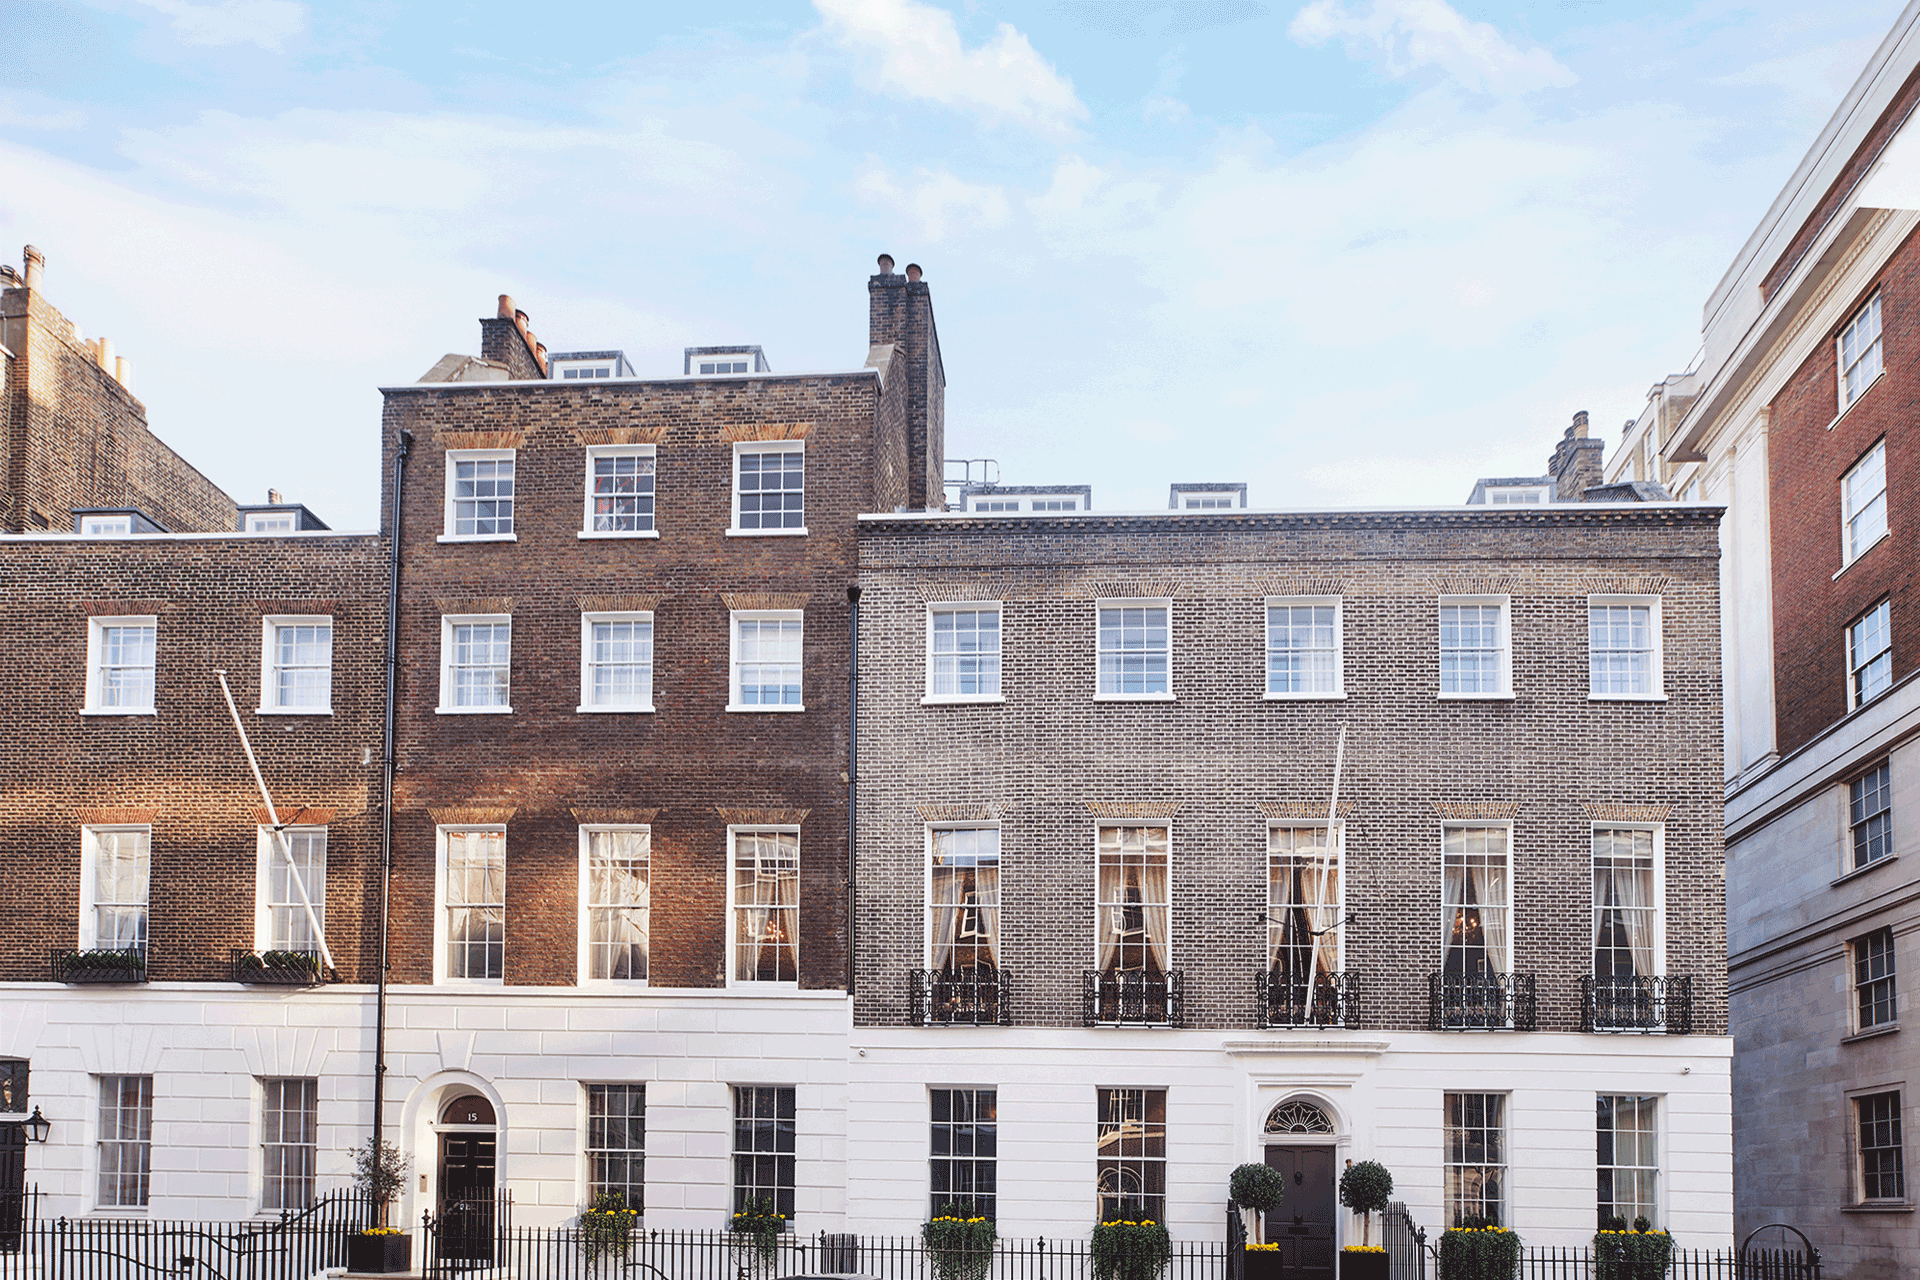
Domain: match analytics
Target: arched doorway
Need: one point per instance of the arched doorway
(468, 1137)
(1299, 1138)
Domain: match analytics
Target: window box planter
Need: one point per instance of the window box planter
(277, 968)
(99, 966)
(379, 1254)
(1363, 1264)
(1263, 1264)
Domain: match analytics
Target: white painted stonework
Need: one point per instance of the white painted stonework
(862, 1129)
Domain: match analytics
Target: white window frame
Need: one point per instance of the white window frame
(441, 970)
(585, 958)
(799, 938)
(268, 851)
(1339, 690)
(100, 1140)
(1854, 700)
(261, 1090)
(734, 619)
(87, 937)
(967, 606)
(1659, 830)
(1160, 602)
(1336, 845)
(1505, 663)
(1656, 661)
(587, 1151)
(448, 621)
(106, 526)
(740, 449)
(1855, 948)
(270, 666)
(1849, 549)
(1541, 495)
(587, 621)
(270, 522)
(994, 506)
(1513, 917)
(1056, 503)
(1870, 309)
(479, 455)
(598, 451)
(1155, 824)
(584, 370)
(1659, 1167)
(926, 892)
(1856, 1148)
(1210, 500)
(96, 650)
(1506, 1165)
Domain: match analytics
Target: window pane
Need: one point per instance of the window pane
(617, 1143)
(482, 496)
(302, 665)
(771, 489)
(289, 1132)
(1471, 645)
(1130, 1150)
(476, 885)
(618, 902)
(1133, 650)
(1301, 649)
(288, 926)
(122, 874)
(126, 667)
(1870, 653)
(767, 662)
(1620, 645)
(766, 906)
(963, 905)
(1873, 979)
(1476, 1158)
(1882, 1152)
(763, 1146)
(1626, 1161)
(621, 497)
(482, 652)
(965, 659)
(620, 658)
(1870, 815)
(964, 1145)
(1132, 903)
(126, 1141)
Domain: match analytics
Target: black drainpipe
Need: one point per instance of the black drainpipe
(853, 764)
(386, 806)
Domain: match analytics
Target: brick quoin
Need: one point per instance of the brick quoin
(1808, 453)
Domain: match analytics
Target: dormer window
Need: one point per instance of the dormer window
(269, 522)
(1516, 495)
(106, 527)
(588, 371)
(724, 362)
(1206, 497)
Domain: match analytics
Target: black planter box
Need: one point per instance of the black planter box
(379, 1254)
(1263, 1264)
(1363, 1266)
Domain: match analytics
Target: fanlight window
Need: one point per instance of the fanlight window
(1298, 1117)
(469, 1109)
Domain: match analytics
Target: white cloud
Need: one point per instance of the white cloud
(267, 23)
(37, 111)
(1405, 35)
(915, 51)
(936, 200)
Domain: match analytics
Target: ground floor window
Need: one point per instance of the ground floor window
(1627, 1159)
(965, 1143)
(617, 1143)
(1883, 1174)
(289, 1133)
(1476, 1158)
(1131, 1154)
(126, 1141)
(763, 1147)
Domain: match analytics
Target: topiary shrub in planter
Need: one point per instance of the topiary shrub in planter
(959, 1243)
(1366, 1188)
(608, 1226)
(1124, 1250)
(1636, 1253)
(1477, 1250)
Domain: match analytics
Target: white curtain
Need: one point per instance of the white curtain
(948, 890)
(1493, 917)
(1154, 910)
(1633, 889)
(986, 886)
(1113, 911)
(1323, 883)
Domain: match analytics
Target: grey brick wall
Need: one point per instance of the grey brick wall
(1220, 749)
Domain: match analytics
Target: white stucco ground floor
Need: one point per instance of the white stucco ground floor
(864, 1133)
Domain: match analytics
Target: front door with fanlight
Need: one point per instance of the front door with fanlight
(469, 1200)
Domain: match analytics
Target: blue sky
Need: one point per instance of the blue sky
(1353, 252)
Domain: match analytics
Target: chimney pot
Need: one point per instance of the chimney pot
(913, 273)
(1580, 423)
(123, 372)
(506, 307)
(273, 497)
(886, 264)
(36, 262)
(520, 319)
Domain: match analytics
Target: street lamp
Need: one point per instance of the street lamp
(37, 1126)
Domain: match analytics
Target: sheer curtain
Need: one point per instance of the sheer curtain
(1154, 909)
(986, 887)
(947, 896)
(1113, 910)
(1493, 915)
(1633, 890)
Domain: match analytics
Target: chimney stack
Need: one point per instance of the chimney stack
(36, 262)
(900, 312)
(1575, 465)
(273, 497)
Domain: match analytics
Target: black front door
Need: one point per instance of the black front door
(13, 1184)
(1303, 1227)
(467, 1202)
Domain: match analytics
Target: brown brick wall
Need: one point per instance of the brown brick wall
(1221, 752)
(185, 763)
(690, 758)
(1808, 452)
(77, 438)
(900, 311)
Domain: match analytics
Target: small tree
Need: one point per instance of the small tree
(380, 1171)
(1365, 1188)
(1256, 1187)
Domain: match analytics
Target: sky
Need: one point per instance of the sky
(1351, 252)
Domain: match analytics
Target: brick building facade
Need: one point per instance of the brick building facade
(1222, 766)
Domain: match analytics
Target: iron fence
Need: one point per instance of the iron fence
(1637, 1004)
(1482, 1002)
(1133, 997)
(294, 1246)
(976, 997)
(569, 1253)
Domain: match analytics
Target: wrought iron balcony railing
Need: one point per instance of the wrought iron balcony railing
(278, 968)
(976, 997)
(1127, 997)
(1330, 1000)
(1637, 1004)
(1481, 1002)
(129, 965)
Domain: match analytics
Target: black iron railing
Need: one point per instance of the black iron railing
(1328, 1000)
(96, 965)
(977, 997)
(1637, 1004)
(1481, 1002)
(1120, 997)
(278, 968)
(295, 1246)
